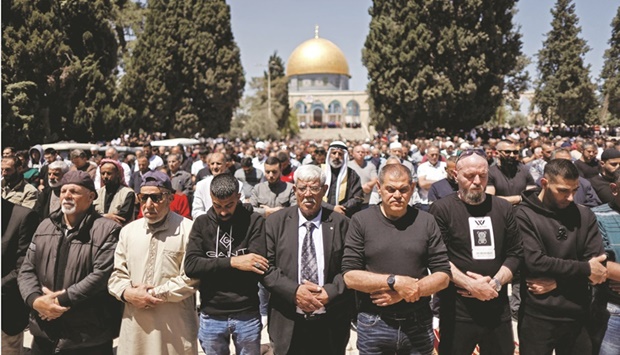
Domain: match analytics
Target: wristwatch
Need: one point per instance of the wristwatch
(496, 284)
(391, 281)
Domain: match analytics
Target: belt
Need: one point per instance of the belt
(310, 317)
(398, 317)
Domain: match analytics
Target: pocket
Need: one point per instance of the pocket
(171, 263)
(367, 319)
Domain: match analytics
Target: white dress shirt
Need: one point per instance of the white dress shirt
(317, 238)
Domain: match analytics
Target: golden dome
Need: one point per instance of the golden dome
(317, 56)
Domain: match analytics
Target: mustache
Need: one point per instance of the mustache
(308, 200)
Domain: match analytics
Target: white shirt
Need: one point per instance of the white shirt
(197, 166)
(259, 164)
(155, 161)
(317, 238)
(430, 172)
(202, 196)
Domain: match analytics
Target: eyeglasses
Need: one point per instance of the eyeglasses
(562, 234)
(508, 152)
(468, 152)
(312, 189)
(156, 198)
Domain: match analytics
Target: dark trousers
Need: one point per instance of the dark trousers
(540, 337)
(460, 338)
(326, 336)
(41, 346)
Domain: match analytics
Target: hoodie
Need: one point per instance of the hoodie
(36, 164)
(225, 290)
(557, 244)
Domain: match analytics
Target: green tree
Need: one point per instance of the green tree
(58, 61)
(564, 91)
(439, 63)
(185, 74)
(611, 71)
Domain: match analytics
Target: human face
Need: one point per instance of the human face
(109, 174)
(509, 153)
(320, 158)
(7, 153)
(451, 170)
(589, 153)
(143, 165)
(358, 154)
(272, 173)
(336, 158)
(396, 152)
(309, 194)
(50, 158)
(79, 162)
(472, 175)
(225, 208)
(433, 155)
(558, 193)
(147, 151)
(75, 199)
(173, 163)
(260, 154)
(111, 154)
(395, 192)
(8, 169)
(546, 151)
(151, 210)
(53, 177)
(610, 166)
(217, 164)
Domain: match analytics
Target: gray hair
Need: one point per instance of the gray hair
(224, 185)
(310, 173)
(396, 171)
(59, 165)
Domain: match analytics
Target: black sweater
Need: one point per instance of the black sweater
(558, 245)
(223, 289)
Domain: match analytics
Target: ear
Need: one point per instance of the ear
(544, 182)
(454, 173)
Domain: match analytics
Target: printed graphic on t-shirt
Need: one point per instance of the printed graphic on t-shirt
(482, 240)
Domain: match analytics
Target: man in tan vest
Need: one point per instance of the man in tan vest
(115, 200)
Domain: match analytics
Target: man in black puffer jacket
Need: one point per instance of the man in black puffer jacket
(64, 276)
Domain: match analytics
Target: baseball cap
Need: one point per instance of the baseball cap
(156, 178)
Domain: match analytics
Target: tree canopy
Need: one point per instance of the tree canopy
(440, 63)
(611, 71)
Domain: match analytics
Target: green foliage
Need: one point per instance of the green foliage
(611, 71)
(564, 92)
(440, 63)
(185, 75)
(58, 61)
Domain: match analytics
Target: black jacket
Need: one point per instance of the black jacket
(18, 226)
(81, 264)
(558, 245)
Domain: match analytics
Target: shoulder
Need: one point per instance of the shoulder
(500, 203)
(331, 216)
(602, 209)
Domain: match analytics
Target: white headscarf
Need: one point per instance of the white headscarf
(343, 168)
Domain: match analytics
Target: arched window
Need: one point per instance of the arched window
(300, 106)
(335, 107)
(353, 108)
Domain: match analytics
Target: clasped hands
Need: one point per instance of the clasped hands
(405, 288)
(310, 297)
(139, 296)
(47, 305)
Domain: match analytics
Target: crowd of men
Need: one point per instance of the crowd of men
(399, 237)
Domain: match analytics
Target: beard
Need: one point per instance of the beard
(473, 197)
(509, 163)
(53, 183)
(67, 207)
(335, 163)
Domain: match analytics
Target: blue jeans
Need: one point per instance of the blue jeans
(215, 332)
(611, 341)
(377, 335)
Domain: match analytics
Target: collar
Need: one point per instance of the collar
(316, 220)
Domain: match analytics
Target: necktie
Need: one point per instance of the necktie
(309, 268)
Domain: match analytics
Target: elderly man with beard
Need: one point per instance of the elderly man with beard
(14, 187)
(225, 251)
(310, 307)
(64, 275)
(49, 199)
(160, 314)
(344, 190)
(484, 248)
(395, 258)
(115, 200)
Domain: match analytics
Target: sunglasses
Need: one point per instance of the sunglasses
(156, 198)
(507, 152)
(468, 152)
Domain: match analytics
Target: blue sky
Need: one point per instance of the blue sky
(261, 27)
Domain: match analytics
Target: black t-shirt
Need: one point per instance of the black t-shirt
(456, 222)
(510, 185)
(587, 170)
(409, 246)
(602, 188)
